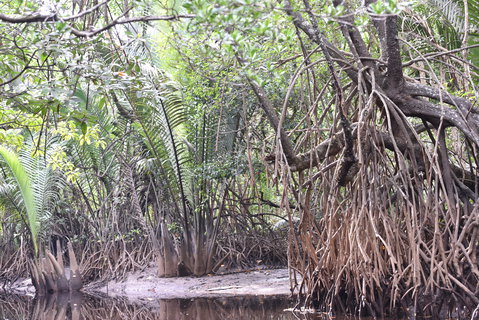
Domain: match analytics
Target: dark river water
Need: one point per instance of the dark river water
(84, 307)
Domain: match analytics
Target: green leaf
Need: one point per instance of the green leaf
(84, 128)
(23, 181)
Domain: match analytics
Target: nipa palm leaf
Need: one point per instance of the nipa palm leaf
(24, 184)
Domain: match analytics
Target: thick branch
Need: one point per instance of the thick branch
(394, 76)
(334, 146)
(466, 177)
(300, 23)
(436, 113)
(30, 19)
(434, 93)
(327, 148)
(356, 43)
(50, 17)
(380, 25)
(53, 17)
(268, 108)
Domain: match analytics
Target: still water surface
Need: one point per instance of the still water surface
(82, 307)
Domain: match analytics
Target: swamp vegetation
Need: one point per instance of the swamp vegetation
(337, 137)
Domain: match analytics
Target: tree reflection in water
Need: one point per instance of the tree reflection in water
(76, 307)
(84, 307)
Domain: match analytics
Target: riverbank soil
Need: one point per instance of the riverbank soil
(146, 285)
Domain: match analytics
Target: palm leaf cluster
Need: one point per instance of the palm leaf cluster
(33, 188)
(450, 18)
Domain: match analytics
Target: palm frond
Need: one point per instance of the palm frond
(10, 208)
(25, 186)
(454, 13)
(93, 105)
(161, 115)
(452, 10)
(47, 183)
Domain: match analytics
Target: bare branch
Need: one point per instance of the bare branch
(38, 18)
(432, 55)
(435, 113)
(115, 22)
(268, 108)
(327, 148)
(356, 43)
(29, 19)
(379, 24)
(435, 93)
(83, 13)
(300, 23)
(53, 17)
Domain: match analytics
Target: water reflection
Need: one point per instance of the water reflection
(83, 307)
(76, 307)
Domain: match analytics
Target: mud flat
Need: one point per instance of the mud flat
(146, 285)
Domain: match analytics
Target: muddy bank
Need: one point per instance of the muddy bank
(147, 286)
(22, 287)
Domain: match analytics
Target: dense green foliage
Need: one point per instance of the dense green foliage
(183, 132)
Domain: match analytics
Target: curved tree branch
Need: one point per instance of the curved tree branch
(309, 30)
(268, 108)
(436, 113)
(421, 90)
(54, 17)
(356, 43)
(33, 18)
(116, 22)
